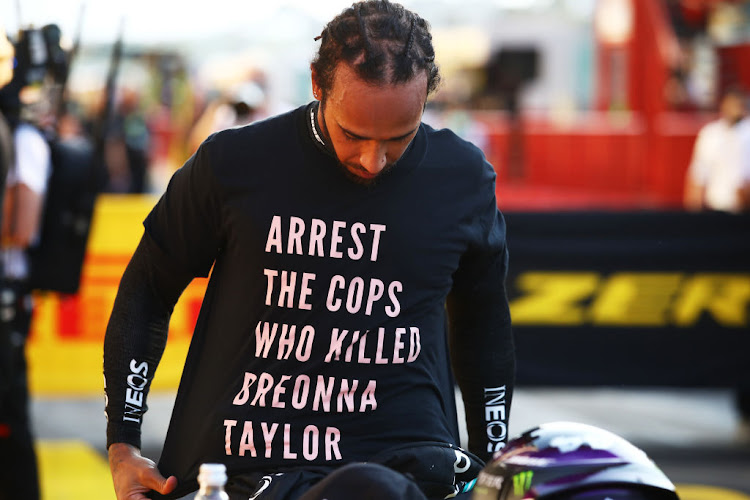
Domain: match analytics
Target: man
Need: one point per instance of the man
(719, 179)
(719, 173)
(337, 233)
(25, 188)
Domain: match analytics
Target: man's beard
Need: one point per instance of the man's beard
(361, 180)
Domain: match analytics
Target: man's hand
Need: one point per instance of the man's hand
(134, 475)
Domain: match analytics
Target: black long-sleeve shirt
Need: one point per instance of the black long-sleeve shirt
(324, 336)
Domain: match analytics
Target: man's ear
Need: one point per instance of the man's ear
(315, 87)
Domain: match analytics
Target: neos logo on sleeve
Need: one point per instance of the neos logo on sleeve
(134, 398)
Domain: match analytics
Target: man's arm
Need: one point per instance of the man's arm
(483, 354)
(694, 195)
(181, 241)
(22, 215)
(744, 188)
(744, 197)
(133, 346)
(480, 336)
(24, 201)
(696, 175)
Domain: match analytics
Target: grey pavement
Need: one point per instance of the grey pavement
(696, 436)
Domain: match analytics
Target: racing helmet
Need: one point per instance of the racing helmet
(571, 461)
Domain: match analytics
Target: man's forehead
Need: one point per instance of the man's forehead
(346, 74)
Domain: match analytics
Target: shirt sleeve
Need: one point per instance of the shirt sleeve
(745, 151)
(33, 160)
(698, 169)
(136, 336)
(181, 241)
(480, 336)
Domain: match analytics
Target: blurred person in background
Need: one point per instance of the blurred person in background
(127, 146)
(26, 108)
(243, 105)
(689, 19)
(718, 177)
(728, 22)
(169, 101)
(359, 262)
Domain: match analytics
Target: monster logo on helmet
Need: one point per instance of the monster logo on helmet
(572, 461)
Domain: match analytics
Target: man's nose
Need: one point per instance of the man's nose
(373, 157)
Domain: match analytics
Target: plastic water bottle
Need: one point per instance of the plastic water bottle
(212, 478)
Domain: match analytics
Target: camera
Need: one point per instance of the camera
(39, 55)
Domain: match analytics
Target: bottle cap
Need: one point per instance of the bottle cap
(212, 474)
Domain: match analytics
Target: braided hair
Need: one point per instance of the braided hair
(381, 40)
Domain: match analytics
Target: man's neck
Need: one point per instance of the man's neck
(732, 121)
